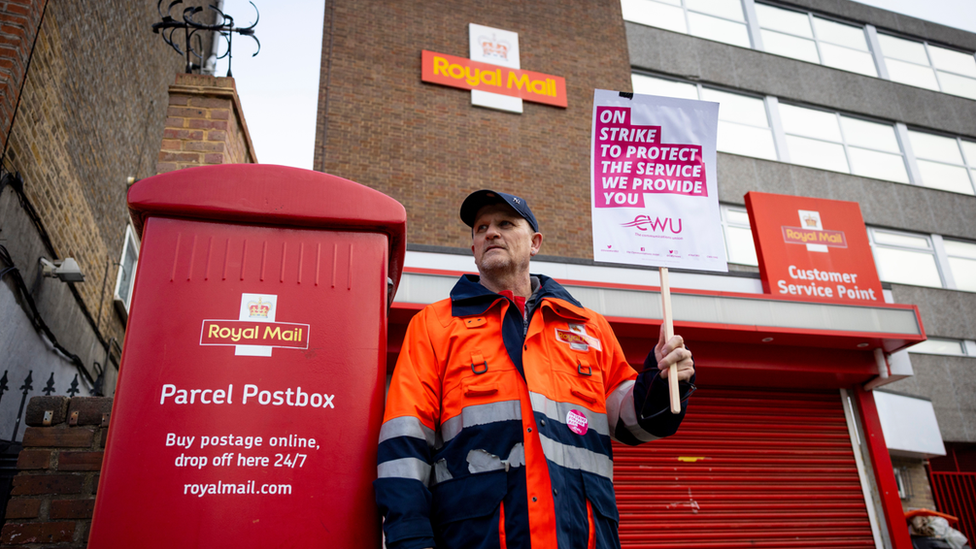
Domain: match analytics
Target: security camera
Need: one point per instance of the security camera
(66, 269)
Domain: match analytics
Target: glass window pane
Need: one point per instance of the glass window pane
(783, 20)
(658, 86)
(938, 347)
(740, 246)
(906, 50)
(730, 9)
(746, 140)
(964, 273)
(969, 150)
(869, 134)
(840, 34)
(960, 249)
(847, 59)
(817, 154)
(737, 216)
(721, 30)
(935, 147)
(954, 61)
(879, 165)
(957, 85)
(945, 177)
(790, 46)
(654, 14)
(906, 267)
(903, 240)
(911, 74)
(809, 122)
(738, 108)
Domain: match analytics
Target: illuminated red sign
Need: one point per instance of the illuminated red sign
(813, 249)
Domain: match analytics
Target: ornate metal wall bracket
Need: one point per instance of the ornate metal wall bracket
(190, 27)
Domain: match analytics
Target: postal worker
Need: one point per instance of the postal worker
(504, 401)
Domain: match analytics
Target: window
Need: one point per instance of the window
(929, 66)
(904, 258)
(962, 263)
(941, 163)
(806, 37)
(720, 20)
(743, 125)
(739, 245)
(831, 141)
(936, 346)
(127, 272)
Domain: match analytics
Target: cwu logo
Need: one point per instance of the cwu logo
(646, 223)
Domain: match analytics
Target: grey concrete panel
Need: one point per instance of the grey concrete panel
(684, 56)
(950, 383)
(952, 424)
(883, 203)
(945, 313)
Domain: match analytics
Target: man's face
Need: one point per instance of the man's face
(503, 241)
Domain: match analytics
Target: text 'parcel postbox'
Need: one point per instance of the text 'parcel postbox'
(250, 394)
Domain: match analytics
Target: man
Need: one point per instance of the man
(504, 401)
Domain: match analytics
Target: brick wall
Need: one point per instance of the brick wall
(915, 475)
(91, 115)
(53, 496)
(19, 21)
(204, 125)
(426, 146)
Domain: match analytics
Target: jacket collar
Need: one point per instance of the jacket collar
(469, 297)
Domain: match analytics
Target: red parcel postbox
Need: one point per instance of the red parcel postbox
(251, 388)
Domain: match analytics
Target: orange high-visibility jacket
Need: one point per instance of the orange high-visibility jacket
(497, 433)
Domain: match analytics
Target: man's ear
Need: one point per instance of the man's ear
(536, 243)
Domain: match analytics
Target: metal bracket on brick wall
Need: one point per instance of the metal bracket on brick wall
(222, 26)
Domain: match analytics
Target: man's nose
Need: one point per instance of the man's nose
(492, 231)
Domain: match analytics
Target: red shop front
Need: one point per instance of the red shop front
(781, 447)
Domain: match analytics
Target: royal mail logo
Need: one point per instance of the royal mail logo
(578, 339)
(256, 330)
(813, 234)
(796, 235)
(258, 309)
(493, 47)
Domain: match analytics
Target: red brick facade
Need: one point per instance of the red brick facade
(204, 125)
(426, 146)
(19, 21)
(53, 496)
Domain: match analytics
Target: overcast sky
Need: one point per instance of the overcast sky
(279, 87)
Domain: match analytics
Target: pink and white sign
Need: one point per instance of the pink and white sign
(577, 422)
(653, 188)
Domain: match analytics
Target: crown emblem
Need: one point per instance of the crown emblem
(810, 221)
(258, 308)
(493, 47)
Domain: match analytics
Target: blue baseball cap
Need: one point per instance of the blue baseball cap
(476, 200)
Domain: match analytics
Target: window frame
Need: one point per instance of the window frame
(969, 165)
(880, 57)
(726, 223)
(122, 303)
(685, 10)
(939, 265)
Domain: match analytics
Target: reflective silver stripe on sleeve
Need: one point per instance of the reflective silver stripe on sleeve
(628, 414)
(404, 468)
(615, 402)
(573, 457)
(557, 411)
(481, 414)
(406, 426)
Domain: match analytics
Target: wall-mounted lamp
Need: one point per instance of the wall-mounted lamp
(66, 269)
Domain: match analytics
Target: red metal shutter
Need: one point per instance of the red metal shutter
(747, 469)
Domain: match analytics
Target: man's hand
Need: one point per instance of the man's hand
(674, 352)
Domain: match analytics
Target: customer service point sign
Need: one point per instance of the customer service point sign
(653, 189)
(251, 387)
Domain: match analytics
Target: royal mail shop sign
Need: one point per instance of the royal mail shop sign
(813, 249)
(251, 387)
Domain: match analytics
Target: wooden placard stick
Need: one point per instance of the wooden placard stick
(668, 334)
